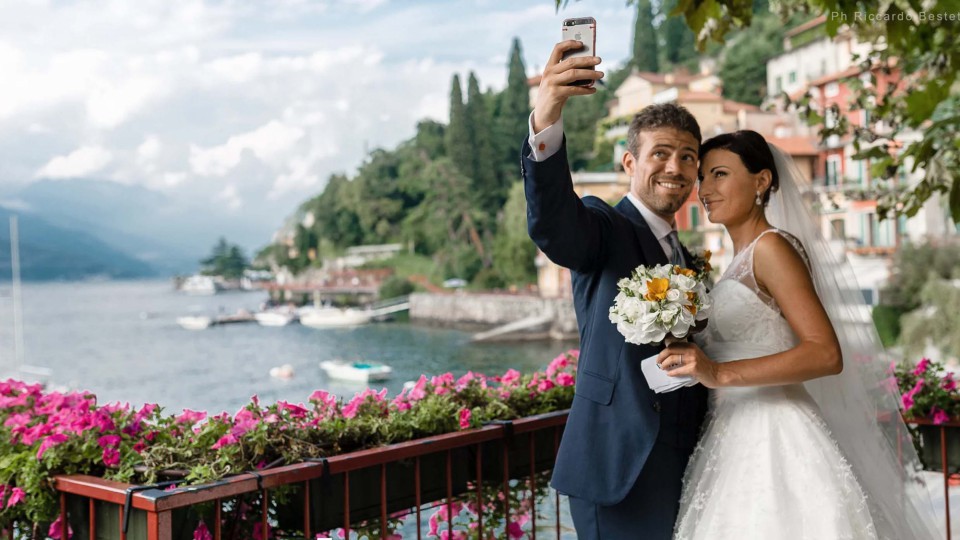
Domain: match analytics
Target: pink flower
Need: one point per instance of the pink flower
(948, 383)
(190, 418)
(565, 379)
(111, 457)
(202, 532)
(258, 531)
(465, 415)
(557, 364)
(17, 495)
(418, 391)
(50, 442)
(514, 530)
(109, 441)
(226, 440)
(939, 416)
(139, 447)
(296, 411)
(510, 377)
(56, 530)
(921, 367)
(907, 400)
(544, 385)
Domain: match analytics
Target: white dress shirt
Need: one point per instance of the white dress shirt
(547, 143)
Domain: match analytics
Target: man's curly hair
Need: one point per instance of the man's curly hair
(661, 115)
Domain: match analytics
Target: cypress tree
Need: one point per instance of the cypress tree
(488, 191)
(679, 41)
(514, 112)
(645, 53)
(458, 133)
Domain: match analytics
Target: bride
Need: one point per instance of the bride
(804, 432)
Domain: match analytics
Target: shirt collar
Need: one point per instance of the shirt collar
(659, 226)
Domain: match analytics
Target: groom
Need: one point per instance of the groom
(624, 449)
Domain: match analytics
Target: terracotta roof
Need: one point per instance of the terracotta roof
(796, 146)
(806, 26)
(661, 78)
(849, 72)
(690, 96)
(730, 106)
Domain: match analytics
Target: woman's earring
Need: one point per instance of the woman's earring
(759, 199)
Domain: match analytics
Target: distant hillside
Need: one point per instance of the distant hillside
(49, 252)
(132, 219)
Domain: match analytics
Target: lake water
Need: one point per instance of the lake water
(120, 340)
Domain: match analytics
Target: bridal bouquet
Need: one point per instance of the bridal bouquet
(665, 299)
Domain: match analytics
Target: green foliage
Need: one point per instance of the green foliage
(483, 169)
(887, 320)
(645, 50)
(226, 260)
(936, 321)
(458, 141)
(512, 114)
(679, 42)
(912, 269)
(514, 252)
(927, 390)
(395, 286)
(744, 66)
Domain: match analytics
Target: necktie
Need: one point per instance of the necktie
(677, 259)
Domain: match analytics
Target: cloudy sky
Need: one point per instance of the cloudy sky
(247, 106)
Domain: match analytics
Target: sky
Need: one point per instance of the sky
(246, 107)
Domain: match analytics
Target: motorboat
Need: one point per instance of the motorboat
(275, 317)
(334, 317)
(356, 371)
(195, 322)
(198, 285)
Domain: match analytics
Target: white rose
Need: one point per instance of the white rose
(673, 295)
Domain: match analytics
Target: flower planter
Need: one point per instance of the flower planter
(930, 447)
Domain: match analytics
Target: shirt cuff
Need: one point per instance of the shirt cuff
(547, 142)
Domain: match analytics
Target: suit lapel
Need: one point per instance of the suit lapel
(649, 244)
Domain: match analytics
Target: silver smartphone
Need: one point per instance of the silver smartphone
(584, 30)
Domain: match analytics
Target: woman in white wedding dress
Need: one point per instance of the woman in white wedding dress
(802, 440)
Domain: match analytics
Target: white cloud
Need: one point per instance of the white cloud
(81, 162)
(270, 143)
(149, 149)
(230, 197)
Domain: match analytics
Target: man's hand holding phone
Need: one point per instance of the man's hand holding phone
(557, 84)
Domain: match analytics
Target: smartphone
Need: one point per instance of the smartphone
(584, 30)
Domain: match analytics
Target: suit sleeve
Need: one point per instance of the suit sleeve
(568, 231)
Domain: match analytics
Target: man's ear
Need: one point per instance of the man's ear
(628, 162)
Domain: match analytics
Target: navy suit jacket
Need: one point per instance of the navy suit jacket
(615, 418)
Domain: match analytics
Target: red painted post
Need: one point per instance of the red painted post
(306, 511)
(416, 487)
(93, 518)
(450, 493)
(383, 500)
(479, 491)
(346, 504)
(946, 476)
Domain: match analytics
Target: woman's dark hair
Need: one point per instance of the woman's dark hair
(753, 151)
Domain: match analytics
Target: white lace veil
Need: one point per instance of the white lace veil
(860, 405)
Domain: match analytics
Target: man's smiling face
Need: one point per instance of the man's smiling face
(663, 170)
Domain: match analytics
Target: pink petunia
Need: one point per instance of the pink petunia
(56, 529)
(109, 441)
(190, 417)
(202, 532)
(50, 442)
(510, 377)
(939, 416)
(907, 400)
(465, 416)
(544, 385)
(949, 384)
(514, 530)
(565, 379)
(557, 364)
(111, 457)
(921, 366)
(17, 496)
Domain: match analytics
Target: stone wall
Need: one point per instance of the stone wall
(492, 310)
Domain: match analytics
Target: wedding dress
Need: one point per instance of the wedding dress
(830, 458)
(767, 466)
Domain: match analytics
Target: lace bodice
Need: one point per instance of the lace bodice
(745, 314)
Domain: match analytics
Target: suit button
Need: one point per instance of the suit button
(656, 406)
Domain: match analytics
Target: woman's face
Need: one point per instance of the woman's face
(727, 189)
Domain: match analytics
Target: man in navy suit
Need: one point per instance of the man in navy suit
(624, 449)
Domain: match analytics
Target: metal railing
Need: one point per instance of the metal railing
(939, 450)
(372, 486)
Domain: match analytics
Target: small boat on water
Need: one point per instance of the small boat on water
(195, 322)
(198, 285)
(334, 317)
(356, 371)
(282, 372)
(275, 317)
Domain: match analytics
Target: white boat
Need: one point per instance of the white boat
(275, 317)
(195, 322)
(282, 372)
(334, 317)
(356, 371)
(198, 285)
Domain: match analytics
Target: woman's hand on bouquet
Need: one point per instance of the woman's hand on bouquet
(684, 358)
